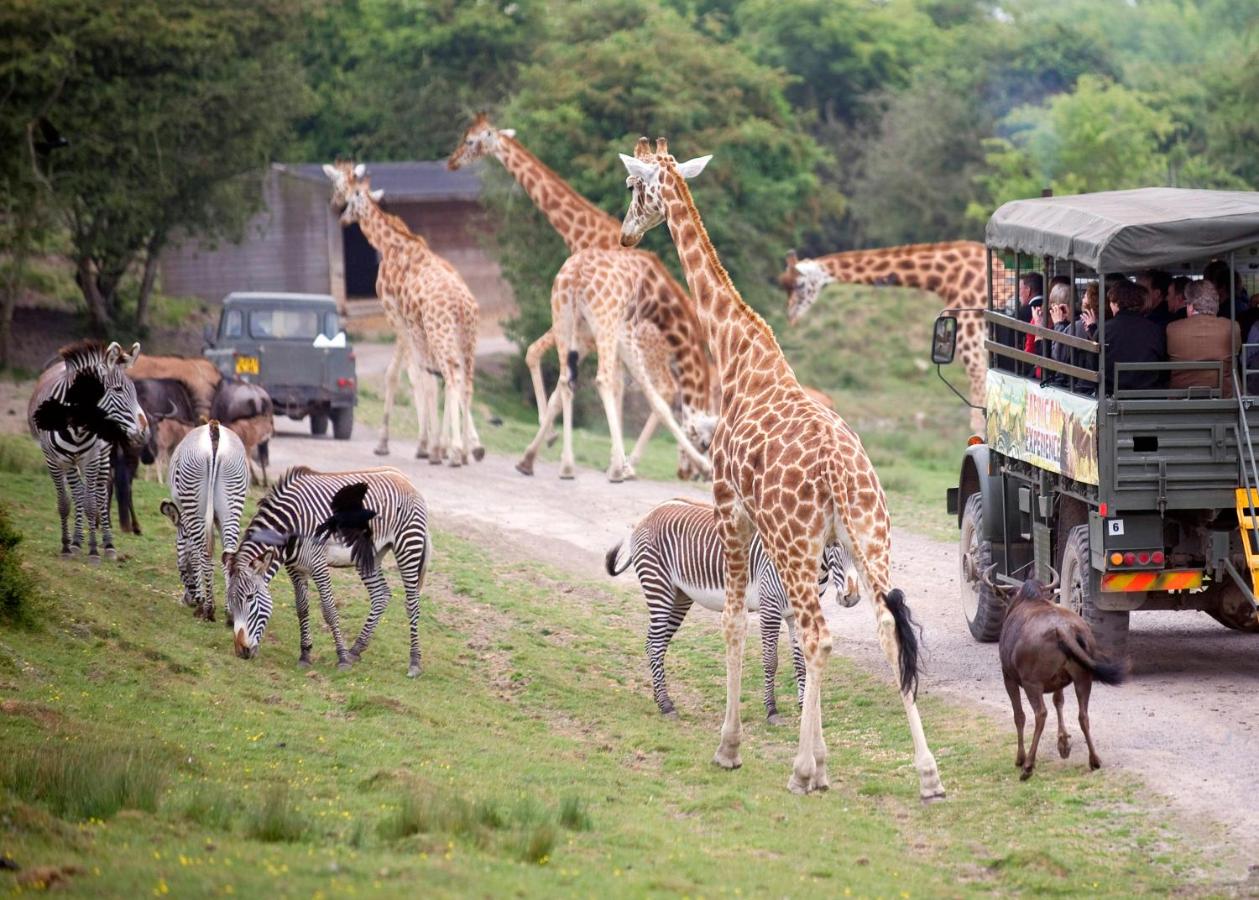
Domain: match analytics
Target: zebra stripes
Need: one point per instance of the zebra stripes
(288, 530)
(209, 475)
(81, 405)
(679, 560)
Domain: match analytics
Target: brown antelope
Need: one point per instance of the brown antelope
(1044, 647)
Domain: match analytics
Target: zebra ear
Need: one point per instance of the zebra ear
(112, 353)
(229, 559)
(171, 511)
(133, 355)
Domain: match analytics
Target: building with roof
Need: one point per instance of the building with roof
(297, 244)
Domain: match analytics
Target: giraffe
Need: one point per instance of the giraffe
(783, 467)
(955, 271)
(583, 226)
(596, 298)
(439, 311)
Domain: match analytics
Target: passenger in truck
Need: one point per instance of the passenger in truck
(1131, 337)
(1203, 336)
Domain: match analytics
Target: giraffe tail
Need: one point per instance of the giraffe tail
(572, 366)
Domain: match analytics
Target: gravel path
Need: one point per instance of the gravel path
(1184, 723)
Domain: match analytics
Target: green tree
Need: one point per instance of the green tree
(172, 109)
(396, 79)
(612, 71)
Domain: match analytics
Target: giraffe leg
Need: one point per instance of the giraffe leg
(391, 386)
(644, 436)
(525, 466)
(452, 418)
(472, 439)
(533, 359)
(607, 381)
(634, 362)
(930, 787)
(568, 465)
(736, 530)
(432, 421)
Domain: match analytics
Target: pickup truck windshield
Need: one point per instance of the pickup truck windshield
(286, 324)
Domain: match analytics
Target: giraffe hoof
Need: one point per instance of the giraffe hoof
(820, 782)
(478, 453)
(382, 450)
(455, 462)
(616, 476)
(434, 459)
(568, 473)
(797, 785)
(524, 468)
(934, 797)
(727, 759)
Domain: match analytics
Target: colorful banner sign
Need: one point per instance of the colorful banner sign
(1048, 427)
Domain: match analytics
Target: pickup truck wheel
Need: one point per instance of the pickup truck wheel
(1081, 584)
(343, 423)
(981, 606)
(318, 423)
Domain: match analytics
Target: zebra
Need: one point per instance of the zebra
(82, 405)
(678, 557)
(372, 511)
(209, 475)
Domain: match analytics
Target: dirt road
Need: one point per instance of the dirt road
(1184, 723)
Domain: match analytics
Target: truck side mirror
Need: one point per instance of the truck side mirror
(944, 340)
(208, 334)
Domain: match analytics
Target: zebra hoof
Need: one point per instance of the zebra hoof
(435, 459)
(775, 719)
(413, 672)
(454, 462)
(345, 664)
(75, 549)
(111, 553)
(66, 553)
(478, 453)
(670, 713)
(381, 450)
(303, 662)
(94, 559)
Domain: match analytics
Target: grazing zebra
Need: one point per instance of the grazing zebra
(209, 475)
(312, 520)
(679, 560)
(81, 405)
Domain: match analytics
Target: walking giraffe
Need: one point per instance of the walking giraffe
(583, 226)
(432, 305)
(955, 271)
(783, 467)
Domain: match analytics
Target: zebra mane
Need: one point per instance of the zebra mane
(82, 354)
(281, 485)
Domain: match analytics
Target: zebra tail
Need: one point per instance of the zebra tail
(212, 473)
(620, 556)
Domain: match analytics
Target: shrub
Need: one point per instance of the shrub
(211, 808)
(16, 585)
(86, 782)
(573, 815)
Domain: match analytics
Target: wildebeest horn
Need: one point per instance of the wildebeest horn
(987, 579)
(1054, 582)
(174, 411)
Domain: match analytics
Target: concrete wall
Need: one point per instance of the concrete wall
(294, 244)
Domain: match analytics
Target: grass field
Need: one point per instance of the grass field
(141, 758)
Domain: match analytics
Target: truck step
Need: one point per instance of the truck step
(1248, 525)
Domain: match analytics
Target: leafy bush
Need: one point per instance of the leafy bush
(85, 781)
(16, 585)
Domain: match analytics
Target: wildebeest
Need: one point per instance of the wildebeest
(247, 410)
(169, 408)
(198, 375)
(1043, 648)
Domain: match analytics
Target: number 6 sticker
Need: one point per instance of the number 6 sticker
(1114, 527)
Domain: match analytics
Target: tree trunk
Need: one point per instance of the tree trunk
(146, 285)
(8, 299)
(98, 319)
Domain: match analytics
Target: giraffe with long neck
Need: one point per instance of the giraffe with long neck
(783, 467)
(583, 226)
(427, 297)
(955, 271)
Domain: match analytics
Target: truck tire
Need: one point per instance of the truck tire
(1233, 611)
(343, 422)
(1080, 586)
(318, 423)
(981, 605)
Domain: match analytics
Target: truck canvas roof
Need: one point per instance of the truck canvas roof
(1123, 231)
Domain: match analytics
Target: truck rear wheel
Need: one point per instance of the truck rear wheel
(343, 422)
(1233, 611)
(1081, 584)
(318, 423)
(981, 605)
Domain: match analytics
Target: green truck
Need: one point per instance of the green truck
(1137, 499)
(294, 346)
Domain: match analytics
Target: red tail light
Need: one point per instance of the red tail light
(1158, 557)
(1129, 558)
(1143, 558)
(345, 382)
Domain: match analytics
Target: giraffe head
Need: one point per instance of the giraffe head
(481, 139)
(647, 207)
(803, 280)
(351, 189)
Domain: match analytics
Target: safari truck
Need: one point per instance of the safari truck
(293, 345)
(1137, 498)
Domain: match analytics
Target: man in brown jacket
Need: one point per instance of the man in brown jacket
(1203, 336)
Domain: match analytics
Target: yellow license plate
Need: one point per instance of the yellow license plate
(246, 365)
